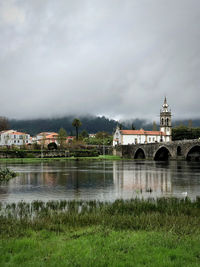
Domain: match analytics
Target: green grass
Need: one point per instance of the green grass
(30, 160)
(100, 247)
(162, 232)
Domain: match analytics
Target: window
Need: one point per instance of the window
(135, 140)
(149, 139)
(153, 139)
(18, 141)
(14, 136)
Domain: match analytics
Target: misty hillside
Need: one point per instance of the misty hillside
(90, 124)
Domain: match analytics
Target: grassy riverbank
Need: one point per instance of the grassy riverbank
(30, 160)
(165, 232)
(98, 247)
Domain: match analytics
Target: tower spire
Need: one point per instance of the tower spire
(165, 121)
(165, 105)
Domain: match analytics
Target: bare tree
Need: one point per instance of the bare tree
(4, 125)
(62, 134)
(154, 126)
(190, 123)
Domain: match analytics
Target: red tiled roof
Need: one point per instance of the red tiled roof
(18, 133)
(154, 133)
(45, 133)
(141, 132)
(53, 135)
(132, 132)
(13, 132)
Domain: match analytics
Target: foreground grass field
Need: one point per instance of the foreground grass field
(100, 247)
(163, 232)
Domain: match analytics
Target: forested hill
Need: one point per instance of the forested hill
(90, 123)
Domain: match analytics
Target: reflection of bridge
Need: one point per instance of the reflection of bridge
(141, 179)
(156, 179)
(184, 149)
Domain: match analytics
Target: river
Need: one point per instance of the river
(101, 180)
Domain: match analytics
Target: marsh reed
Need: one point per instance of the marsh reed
(171, 214)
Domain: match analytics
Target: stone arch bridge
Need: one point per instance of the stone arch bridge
(183, 150)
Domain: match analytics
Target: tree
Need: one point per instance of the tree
(76, 123)
(132, 127)
(154, 126)
(84, 134)
(24, 141)
(62, 134)
(190, 124)
(43, 140)
(4, 125)
(183, 132)
(102, 135)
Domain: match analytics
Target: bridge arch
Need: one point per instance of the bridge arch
(139, 154)
(193, 153)
(179, 151)
(162, 154)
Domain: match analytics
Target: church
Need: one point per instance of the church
(130, 137)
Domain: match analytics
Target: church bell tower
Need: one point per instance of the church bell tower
(166, 122)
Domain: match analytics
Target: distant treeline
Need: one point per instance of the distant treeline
(184, 132)
(91, 124)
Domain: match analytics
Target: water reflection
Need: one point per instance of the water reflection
(157, 179)
(141, 179)
(101, 180)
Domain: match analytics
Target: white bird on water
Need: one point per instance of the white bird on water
(184, 193)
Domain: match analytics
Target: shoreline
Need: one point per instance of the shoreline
(24, 160)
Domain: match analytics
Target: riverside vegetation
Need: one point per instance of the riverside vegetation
(6, 174)
(30, 160)
(162, 232)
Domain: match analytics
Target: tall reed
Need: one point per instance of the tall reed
(170, 214)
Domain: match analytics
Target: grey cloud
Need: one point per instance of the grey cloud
(112, 57)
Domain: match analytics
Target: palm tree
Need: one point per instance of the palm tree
(76, 123)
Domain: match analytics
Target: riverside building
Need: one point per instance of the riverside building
(126, 137)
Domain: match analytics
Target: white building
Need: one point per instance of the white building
(12, 137)
(46, 138)
(166, 121)
(126, 137)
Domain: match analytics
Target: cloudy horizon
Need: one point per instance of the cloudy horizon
(111, 57)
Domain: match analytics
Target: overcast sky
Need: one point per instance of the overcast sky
(117, 58)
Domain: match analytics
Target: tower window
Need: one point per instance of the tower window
(167, 122)
(162, 121)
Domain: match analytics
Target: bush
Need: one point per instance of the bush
(30, 155)
(85, 153)
(6, 174)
